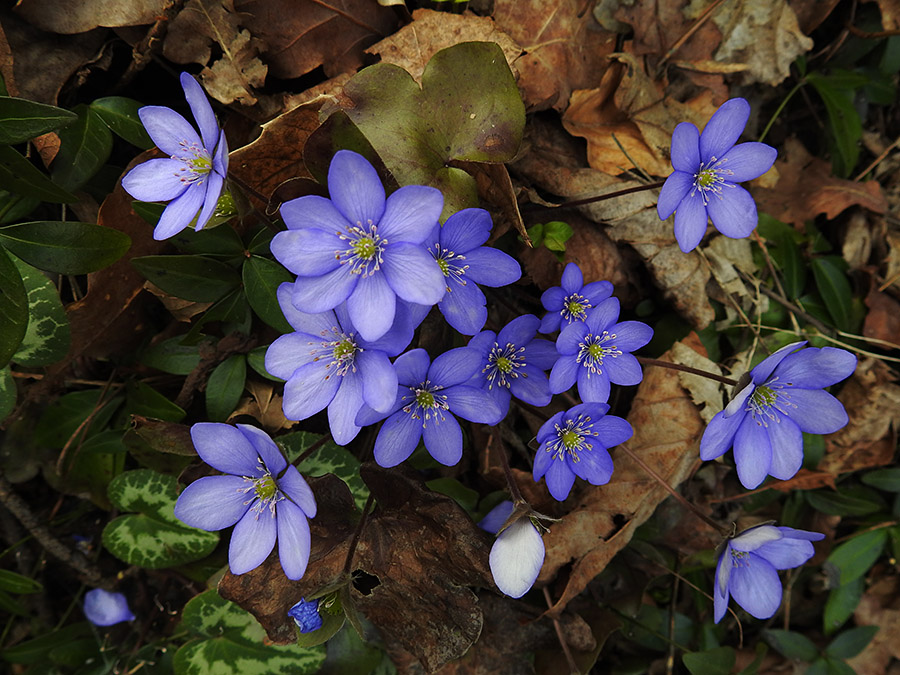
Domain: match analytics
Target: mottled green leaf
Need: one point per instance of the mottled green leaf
(262, 277)
(329, 458)
(65, 247)
(21, 119)
(84, 148)
(121, 115)
(13, 308)
(7, 392)
(47, 337)
(225, 386)
(191, 277)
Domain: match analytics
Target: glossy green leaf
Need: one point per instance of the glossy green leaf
(883, 479)
(170, 356)
(20, 176)
(792, 645)
(13, 308)
(106, 442)
(65, 247)
(225, 386)
(217, 241)
(17, 583)
(329, 458)
(35, 650)
(190, 277)
(142, 399)
(262, 277)
(256, 358)
(153, 537)
(717, 661)
(84, 148)
(231, 642)
(842, 602)
(63, 417)
(851, 642)
(847, 502)
(835, 291)
(121, 115)
(231, 309)
(48, 335)
(21, 119)
(854, 558)
(838, 91)
(783, 248)
(465, 497)
(556, 234)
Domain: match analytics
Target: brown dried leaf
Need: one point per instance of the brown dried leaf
(880, 606)
(6, 65)
(666, 427)
(806, 188)
(704, 391)
(883, 320)
(263, 405)
(811, 13)
(79, 16)
(179, 308)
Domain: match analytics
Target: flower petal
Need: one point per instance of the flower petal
(572, 279)
(466, 230)
(407, 318)
(495, 518)
(690, 222)
(313, 211)
(473, 404)
(593, 388)
(733, 211)
(559, 479)
(570, 338)
(454, 366)
(597, 291)
(739, 400)
(603, 316)
(623, 369)
(379, 379)
(594, 464)
(170, 131)
(540, 353)
(213, 502)
(817, 411)
(309, 252)
(516, 558)
(297, 489)
(288, 353)
(397, 439)
(319, 294)
(464, 307)
(786, 553)
(372, 306)
(612, 431)
(490, 267)
(225, 449)
(411, 213)
(103, 608)
(753, 538)
(355, 188)
(787, 448)
(202, 110)
(720, 587)
(685, 150)
(310, 389)
(563, 374)
(816, 368)
(252, 541)
(156, 180)
(265, 447)
(293, 539)
(552, 299)
(791, 533)
(520, 331)
(631, 335)
(724, 129)
(412, 367)
(214, 183)
(315, 325)
(752, 453)
(674, 190)
(550, 322)
(443, 439)
(755, 586)
(180, 212)
(747, 161)
(344, 407)
(718, 436)
(764, 368)
(531, 386)
(413, 274)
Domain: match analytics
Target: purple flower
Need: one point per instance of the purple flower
(326, 363)
(708, 167)
(575, 443)
(262, 493)
(513, 364)
(765, 420)
(306, 615)
(360, 248)
(457, 247)
(193, 176)
(595, 352)
(103, 608)
(572, 300)
(427, 395)
(518, 551)
(747, 567)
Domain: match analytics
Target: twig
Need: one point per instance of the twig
(878, 160)
(573, 667)
(311, 449)
(348, 563)
(686, 369)
(687, 35)
(600, 198)
(510, 479)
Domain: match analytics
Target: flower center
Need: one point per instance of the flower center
(341, 351)
(571, 438)
(365, 249)
(575, 308)
(426, 403)
(710, 178)
(265, 491)
(593, 350)
(503, 364)
(449, 261)
(740, 558)
(769, 402)
(195, 163)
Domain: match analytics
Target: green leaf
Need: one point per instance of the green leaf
(63, 417)
(847, 502)
(170, 356)
(13, 308)
(465, 497)
(225, 386)
(17, 583)
(231, 642)
(217, 241)
(21, 119)
(35, 651)
(262, 277)
(142, 399)
(7, 392)
(792, 645)
(65, 247)
(191, 277)
(556, 234)
(256, 358)
(717, 661)
(20, 176)
(785, 253)
(153, 537)
(468, 109)
(883, 479)
(48, 335)
(121, 115)
(854, 558)
(536, 234)
(842, 602)
(106, 442)
(837, 92)
(84, 148)
(349, 655)
(835, 291)
(329, 458)
(851, 642)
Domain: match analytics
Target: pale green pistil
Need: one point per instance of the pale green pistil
(571, 438)
(265, 487)
(424, 399)
(426, 403)
(706, 178)
(449, 262)
(201, 164)
(594, 349)
(769, 402)
(575, 307)
(265, 491)
(340, 352)
(365, 249)
(503, 364)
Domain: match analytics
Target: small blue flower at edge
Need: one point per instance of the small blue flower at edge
(708, 167)
(306, 615)
(105, 608)
(747, 568)
(765, 421)
(194, 174)
(262, 494)
(571, 300)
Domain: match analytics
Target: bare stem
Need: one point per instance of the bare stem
(510, 479)
(573, 667)
(610, 195)
(686, 369)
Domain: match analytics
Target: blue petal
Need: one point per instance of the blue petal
(787, 448)
(816, 368)
(631, 335)
(623, 369)
(543, 458)
(483, 342)
(400, 334)
(593, 388)
(309, 252)
(344, 407)
(752, 453)
(379, 379)
(719, 435)
(594, 464)
(720, 586)
(411, 213)
(747, 161)
(674, 190)
(213, 503)
(732, 211)
(318, 325)
(490, 267)
(367, 415)
(355, 188)
(372, 306)
(552, 299)
(550, 322)
(103, 608)
(214, 183)
(180, 212)
(570, 338)
(516, 558)
(265, 447)
(572, 279)
(739, 400)
(597, 291)
(563, 374)
(464, 307)
(297, 489)
(454, 367)
(313, 211)
(169, 130)
(201, 109)
(466, 230)
(603, 316)
(472, 404)
(559, 479)
(612, 431)
(413, 274)
(817, 411)
(220, 158)
(520, 331)
(755, 586)
(412, 367)
(786, 553)
(531, 386)
(541, 354)
(685, 151)
(156, 180)
(501, 398)
(309, 390)
(723, 129)
(753, 538)
(319, 294)
(397, 439)
(690, 222)
(293, 539)
(593, 410)
(225, 449)
(764, 368)
(495, 518)
(288, 353)
(791, 533)
(443, 440)
(252, 541)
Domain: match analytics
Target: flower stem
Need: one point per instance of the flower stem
(780, 108)
(610, 195)
(573, 667)
(311, 449)
(510, 479)
(687, 369)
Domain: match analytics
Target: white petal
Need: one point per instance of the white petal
(516, 558)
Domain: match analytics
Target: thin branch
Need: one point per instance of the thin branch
(686, 369)
(603, 197)
(573, 667)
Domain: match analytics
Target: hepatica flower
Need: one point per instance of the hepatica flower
(708, 167)
(595, 352)
(265, 496)
(457, 247)
(428, 397)
(103, 608)
(518, 551)
(747, 568)
(306, 615)
(575, 443)
(765, 420)
(360, 248)
(572, 300)
(193, 175)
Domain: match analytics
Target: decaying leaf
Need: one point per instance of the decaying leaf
(79, 16)
(179, 308)
(879, 607)
(263, 405)
(726, 257)
(704, 392)
(883, 320)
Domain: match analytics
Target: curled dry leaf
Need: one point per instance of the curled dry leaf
(879, 607)
(79, 16)
(179, 308)
(667, 427)
(883, 320)
(704, 392)
(264, 405)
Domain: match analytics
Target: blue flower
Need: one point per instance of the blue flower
(513, 364)
(572, 300)
(457, 247)
(765, 420)
(360, 248)
(306, 615)
(708, 167)
(595, 352)
(103, 608)
(518, 551)
(575, 442)
(193, 176)
(748, 563)
(326, 363)
(262, 493)
(427, 395)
